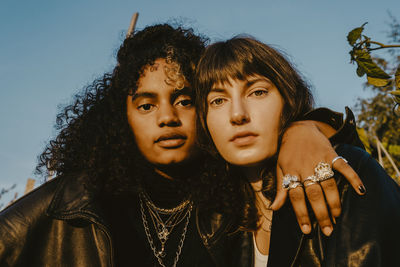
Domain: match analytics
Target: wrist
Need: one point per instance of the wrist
(325, 128)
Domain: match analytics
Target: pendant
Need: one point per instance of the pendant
(163, 233)
(162, 253)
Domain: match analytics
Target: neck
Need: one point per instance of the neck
(175, 171)
(253, 174)
(178, 171)
(163, 174)
(163, 186)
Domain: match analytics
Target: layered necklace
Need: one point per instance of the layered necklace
(164, 222)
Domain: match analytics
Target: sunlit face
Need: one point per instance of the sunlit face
(162, 117)
(244, 119)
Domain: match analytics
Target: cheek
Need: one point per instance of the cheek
(140, 132)
(189, 118)
(219, 131)
(271, 130)
(212, 124)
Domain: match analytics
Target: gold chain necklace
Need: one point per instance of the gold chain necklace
(163, 228)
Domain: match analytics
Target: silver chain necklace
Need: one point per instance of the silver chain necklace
(162, 227)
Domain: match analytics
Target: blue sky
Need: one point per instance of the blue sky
(51, 49)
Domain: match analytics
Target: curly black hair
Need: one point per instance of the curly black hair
(93, 132)
(94, 136)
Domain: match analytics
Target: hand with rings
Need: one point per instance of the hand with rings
(307, 154)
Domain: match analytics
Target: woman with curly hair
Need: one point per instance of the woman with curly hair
(248, 94)
(132, 188)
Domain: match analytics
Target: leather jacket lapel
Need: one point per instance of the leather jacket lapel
(286, 237)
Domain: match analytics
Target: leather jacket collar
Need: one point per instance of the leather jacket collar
(72, 200)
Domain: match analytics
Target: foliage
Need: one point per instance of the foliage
(362, 46)
(376, 114)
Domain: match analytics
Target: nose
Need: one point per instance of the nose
(168, 116)
(239, 114)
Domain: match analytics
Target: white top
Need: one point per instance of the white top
(260, 260)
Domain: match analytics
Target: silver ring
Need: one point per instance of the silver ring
(309, 183)
(323, 171)
(338, 157)
(310, 180)
(293, 185)
(290, 182)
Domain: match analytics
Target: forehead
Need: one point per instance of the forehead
(160, 77)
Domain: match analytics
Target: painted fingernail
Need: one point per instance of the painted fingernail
(362, 189)
(305, 228)
(327, 230)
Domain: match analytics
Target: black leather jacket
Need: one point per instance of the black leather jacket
(59, 224)
(367, 233)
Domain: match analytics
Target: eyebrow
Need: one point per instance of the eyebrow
(183, 91)
(175, 93)
(249, 83)
(178, 92)
(144, 95)
(217, 90)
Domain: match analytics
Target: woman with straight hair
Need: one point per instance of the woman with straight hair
(248, 94)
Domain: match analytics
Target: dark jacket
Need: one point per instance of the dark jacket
(59, 224)
(367, 233)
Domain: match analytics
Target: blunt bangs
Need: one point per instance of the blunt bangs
(242, 57)
(224, 61)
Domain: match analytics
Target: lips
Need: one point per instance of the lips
(171, 140)
(244, 138)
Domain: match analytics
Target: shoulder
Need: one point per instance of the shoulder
(29, 208)
(35, 202)
(367, 230)
(370, 171)
(21, 217)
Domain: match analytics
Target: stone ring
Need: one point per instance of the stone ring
(323, 171)
(290, 182)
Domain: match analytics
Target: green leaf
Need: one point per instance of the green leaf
(378, 82)
(364, 60)
(360, 71)
(355, 34)
(397, 77)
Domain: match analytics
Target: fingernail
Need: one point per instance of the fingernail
(362, 189)
(333, 219)
(327, 230)
(305, 228)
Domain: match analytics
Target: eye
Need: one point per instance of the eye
(259, 92)
(144, 108)
(184, 101)
(217, 102)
